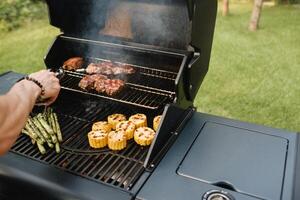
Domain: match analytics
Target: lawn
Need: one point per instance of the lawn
(253, 77)
(23, 50)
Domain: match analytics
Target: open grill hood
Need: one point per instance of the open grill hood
(177, 25)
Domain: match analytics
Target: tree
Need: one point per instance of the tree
(255, 16)
(225, 7)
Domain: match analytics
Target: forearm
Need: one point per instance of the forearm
(15, 107)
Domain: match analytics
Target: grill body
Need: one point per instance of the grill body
(171, 57)
(154, 89)
(169, 46)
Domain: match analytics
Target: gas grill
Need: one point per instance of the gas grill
(168, 43)
(157, 87)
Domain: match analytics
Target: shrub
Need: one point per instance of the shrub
(15, 12)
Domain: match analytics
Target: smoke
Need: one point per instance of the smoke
(157, 22)
(162, 23)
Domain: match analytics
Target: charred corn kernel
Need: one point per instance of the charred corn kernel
(115, 118)
(102, 126)
(117, 140)
(156, 122)
(140, 120)
(128, 127)
(144, 136)
(97, 139)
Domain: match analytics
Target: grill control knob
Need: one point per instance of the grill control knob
(217, 195)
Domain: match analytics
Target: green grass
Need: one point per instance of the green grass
(23, 50)
(253, 77)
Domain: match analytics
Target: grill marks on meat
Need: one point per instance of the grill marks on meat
(100, 68)
(88, 81)
(109, 68)
(113, 86)
(97, 79)
(73, 63)
(104, 67)
(101, 84)
(123, 69)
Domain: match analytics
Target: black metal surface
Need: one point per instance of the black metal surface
(37, 180)
(7, 80)
(166, 182)
(65, 47)
(296, 175)
(157, 23)
(202, 37)
(228, 168)
(119, 169)
(167, 134)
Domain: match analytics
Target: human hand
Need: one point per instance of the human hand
(50, 84)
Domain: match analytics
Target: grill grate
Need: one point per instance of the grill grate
(147, 71)
(115, 168)
(132, 94)
(148, 87)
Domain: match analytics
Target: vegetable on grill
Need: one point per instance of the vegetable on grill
(44, 128)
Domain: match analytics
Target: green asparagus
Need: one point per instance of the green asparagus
(58, 131)
(41, 148)
(57, 148)
(44, 128)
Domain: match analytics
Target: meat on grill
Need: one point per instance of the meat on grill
(109, 68)
(100, 68)
(73, 63)
(101, 84)
(123, 69)
(113, 86)
(87, 82)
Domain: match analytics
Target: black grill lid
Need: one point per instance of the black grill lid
(164, 23)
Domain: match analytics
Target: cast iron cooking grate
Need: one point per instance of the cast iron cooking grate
(116, 168)
(148, 87)
(120, 169)
(133, 95)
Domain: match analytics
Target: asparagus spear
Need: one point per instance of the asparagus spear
(47, 128)
(28, 134)
(47, 116)
(58, 131)
(52, 121)
(57, 148)
(33, 132)
(39, 126)
(43, 133)
(41, 148)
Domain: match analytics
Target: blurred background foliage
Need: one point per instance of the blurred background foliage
(13, 13)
